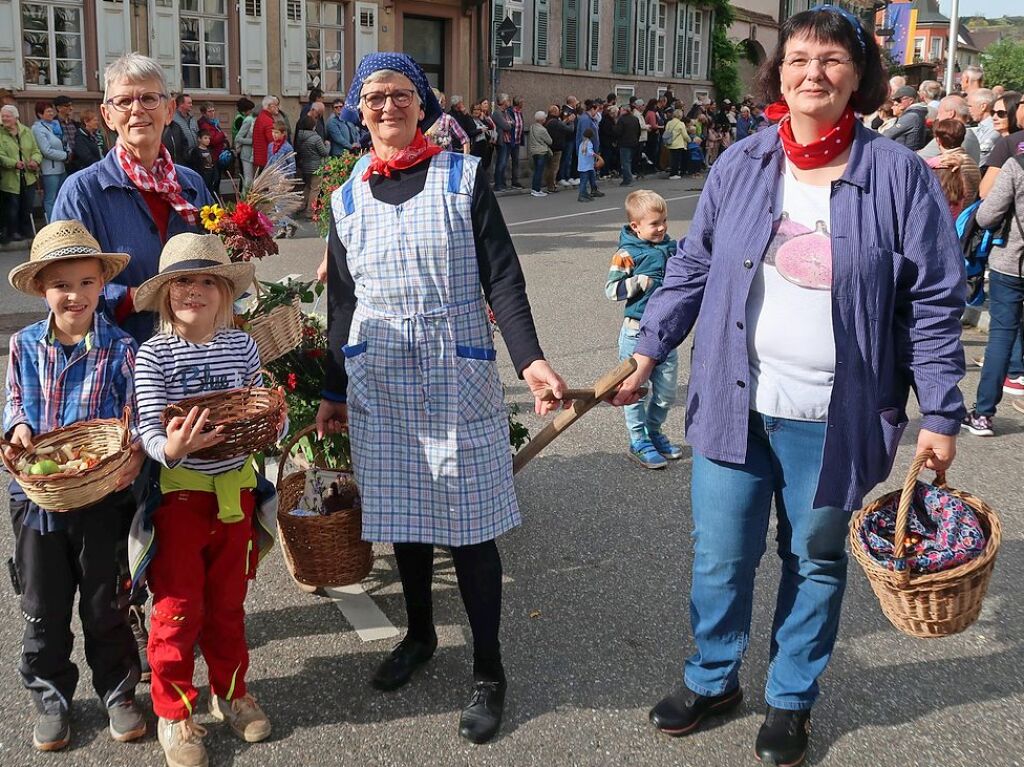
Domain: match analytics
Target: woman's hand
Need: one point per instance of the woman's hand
(331, 418)
(321, 270)
(21, 437)
(628, 392)
(20, 165)
(943, 447)
(539, 375)
(132, 468)
(185, 434)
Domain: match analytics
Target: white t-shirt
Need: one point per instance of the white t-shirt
(789, 310)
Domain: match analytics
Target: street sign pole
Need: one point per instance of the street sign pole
(954, 32)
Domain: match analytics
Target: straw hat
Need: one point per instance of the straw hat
(63, 241)
(194, 254)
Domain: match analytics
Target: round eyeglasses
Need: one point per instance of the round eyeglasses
(149, 101)
(377, 99)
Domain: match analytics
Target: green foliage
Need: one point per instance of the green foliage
(724, 54)
(1004, 65)
(333, 172)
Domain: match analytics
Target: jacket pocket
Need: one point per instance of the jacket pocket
(358, 394)
(894, 423)
(480, 394)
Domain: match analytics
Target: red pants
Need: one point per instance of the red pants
(199, 578)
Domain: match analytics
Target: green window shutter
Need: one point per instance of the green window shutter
(621, 38)
(498, 7)
(571, 34)
(540, 31)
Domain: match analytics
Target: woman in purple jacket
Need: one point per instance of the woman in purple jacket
(824, 270)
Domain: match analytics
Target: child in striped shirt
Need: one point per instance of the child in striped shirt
(638, 269)
(207, 526)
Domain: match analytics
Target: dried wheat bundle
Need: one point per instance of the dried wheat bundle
(273, 192)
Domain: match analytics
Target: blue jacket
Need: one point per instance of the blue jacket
(583, 122)
(897, 296)
(51, 146)
(648, 260)
(343, 135)
(115, 213)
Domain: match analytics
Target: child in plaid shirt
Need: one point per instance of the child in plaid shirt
(73, 366)
(637, 270)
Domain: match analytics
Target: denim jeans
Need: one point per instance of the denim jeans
(500, 166)
(626, 163)
(539, 162)
(731, 507)
(568, 163)
(1005, 299)
(51, 185)
(648, 415)
(588, 183)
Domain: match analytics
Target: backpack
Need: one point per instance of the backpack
(976, 244)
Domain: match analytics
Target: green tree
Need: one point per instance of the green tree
(724, 74)
(1004, 65)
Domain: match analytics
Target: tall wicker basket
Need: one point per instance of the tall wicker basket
(322, 550)
(932, 604)
(278, 331)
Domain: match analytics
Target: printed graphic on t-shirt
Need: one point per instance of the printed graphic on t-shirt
(800, 255)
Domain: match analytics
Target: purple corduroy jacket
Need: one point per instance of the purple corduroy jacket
(897, 296)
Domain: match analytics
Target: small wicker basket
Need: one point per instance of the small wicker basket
(931, 604)
(322, 550)
(278, 331)
(250, 417)
(110, 438)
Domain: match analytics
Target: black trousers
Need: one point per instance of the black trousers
(478, 570)
(84, 558)
(17, 212)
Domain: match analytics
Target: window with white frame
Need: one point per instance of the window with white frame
(512, 9)
(203, 29)
(649, 41)
(693, 30)
(325, 45)
(52, 44)
(918, 49)
(936, 48)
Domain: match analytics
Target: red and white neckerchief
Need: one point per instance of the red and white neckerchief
(418, 150)
(819, 152)
(163, 180)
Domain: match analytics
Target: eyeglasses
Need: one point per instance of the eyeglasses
(339, 106)
(377, 100)
(149, 100)
(828, 64)
(1001, 113)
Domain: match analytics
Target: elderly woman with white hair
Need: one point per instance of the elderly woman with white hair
(417, 249)
(135, 198)
(20, 160)
(262, 130)
(539, 146)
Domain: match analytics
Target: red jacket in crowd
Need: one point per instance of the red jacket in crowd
(261, 137)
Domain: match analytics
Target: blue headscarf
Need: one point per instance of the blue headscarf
(399, 62)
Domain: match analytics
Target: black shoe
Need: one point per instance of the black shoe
(682, 710)
(137, 620)
(398, 667)
(782, 739)
(518, 186)
(481, 718)
(626, 183)
(597, 193)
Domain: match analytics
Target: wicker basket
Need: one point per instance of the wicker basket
(250, 417)
(930, 604)
(110, 438)
(321, 550)
(278, 331)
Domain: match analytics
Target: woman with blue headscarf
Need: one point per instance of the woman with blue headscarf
(417, 249)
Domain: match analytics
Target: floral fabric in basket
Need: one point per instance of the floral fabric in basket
(944, 532)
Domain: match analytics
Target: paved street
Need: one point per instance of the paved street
(595, 621)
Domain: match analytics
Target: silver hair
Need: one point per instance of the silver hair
(455, 100)
(677, 114)
(270, 99)
(382, 74)
(985, 96)
(930, 89)
(503, 98)
(974, 73)
(957, 105)
(10, 109)
(539, 115)
(133, 68)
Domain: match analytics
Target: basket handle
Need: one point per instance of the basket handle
(899, 541)
(286, 451)
(266, 375)
(126, 424)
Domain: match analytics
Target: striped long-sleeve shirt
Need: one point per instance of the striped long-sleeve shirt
(170, 369)
(637, 270)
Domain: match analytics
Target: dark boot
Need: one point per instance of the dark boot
(397, 669)
(137, 620)
(481, 718)
(782, 739)
(682, 710)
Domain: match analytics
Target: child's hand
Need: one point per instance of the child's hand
(185, 434)
(284, 411)
(22, 437)
(132, 468)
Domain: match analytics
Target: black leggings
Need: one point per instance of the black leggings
(478, 569)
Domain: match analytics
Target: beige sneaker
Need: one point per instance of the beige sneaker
(244, 716)
(182, 742)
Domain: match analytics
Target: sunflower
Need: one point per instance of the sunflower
(211, 216)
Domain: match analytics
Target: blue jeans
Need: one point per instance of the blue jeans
(1005, 299)
(731, 508)
(568, 163)
(626, 163)
(539, 162)
(648, 415)
(588, 181)
(500, 166)
(51, 185)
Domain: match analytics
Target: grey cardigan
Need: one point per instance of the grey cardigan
(1006, 197)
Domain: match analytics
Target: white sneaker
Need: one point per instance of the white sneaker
(539, 194)
(574, 181)
(564, 184)
(674, 178)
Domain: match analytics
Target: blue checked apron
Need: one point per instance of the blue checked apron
(426, 411)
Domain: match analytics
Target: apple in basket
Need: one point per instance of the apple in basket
(60, 460)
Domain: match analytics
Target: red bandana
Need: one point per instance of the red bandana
(163, 180)
(817, 153)
(418, 151)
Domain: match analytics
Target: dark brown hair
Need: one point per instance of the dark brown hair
(830, 27)
(949, 133)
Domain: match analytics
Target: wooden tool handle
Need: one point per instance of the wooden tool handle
(570, 394)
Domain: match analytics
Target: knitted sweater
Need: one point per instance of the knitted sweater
(1006, 198)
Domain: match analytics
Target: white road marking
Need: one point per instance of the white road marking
(591, 212)
(370, 623)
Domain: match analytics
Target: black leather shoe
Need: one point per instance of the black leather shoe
(782, 739)
(682, 710)
(481, 717)
(398, 667)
